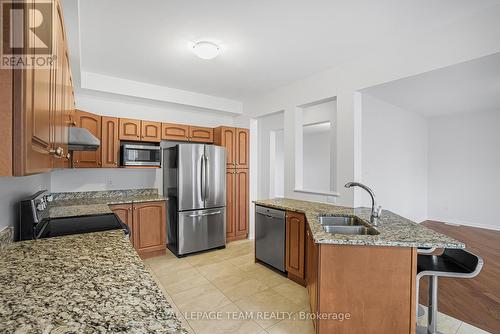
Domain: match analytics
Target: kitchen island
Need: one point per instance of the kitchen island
(86, 283)
(356, 283)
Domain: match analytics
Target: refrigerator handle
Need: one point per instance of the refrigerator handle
(203, 178)
(207, 174)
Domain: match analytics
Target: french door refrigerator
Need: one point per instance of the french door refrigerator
(194, 181)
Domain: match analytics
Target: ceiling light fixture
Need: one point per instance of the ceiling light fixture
(206, 50)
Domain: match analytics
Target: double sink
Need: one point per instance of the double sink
(351, 225)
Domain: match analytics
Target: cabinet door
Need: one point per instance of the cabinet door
(241, 201)
(149, 226)
(312, 273)
(88, 159)
(242, 150)
(110, 144)
(150, 131)
(230, 203)
(225, 137)
(130, 129)
(171, 131)
(294, 245)
(201, 134)
(124, 212)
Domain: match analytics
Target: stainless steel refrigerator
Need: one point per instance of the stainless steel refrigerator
(194, 181)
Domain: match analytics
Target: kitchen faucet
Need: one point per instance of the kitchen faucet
(376, 211)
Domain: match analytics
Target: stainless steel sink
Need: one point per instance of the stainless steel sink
(340, 221)
(353, 230)
(346, 225)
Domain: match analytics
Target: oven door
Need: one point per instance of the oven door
(140, 155)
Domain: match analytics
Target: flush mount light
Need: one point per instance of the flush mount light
(206, 50)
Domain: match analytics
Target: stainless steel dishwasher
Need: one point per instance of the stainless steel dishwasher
(270, 236)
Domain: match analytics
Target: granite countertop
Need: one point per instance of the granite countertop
(97, 202)
(86, 283)
(394, 230)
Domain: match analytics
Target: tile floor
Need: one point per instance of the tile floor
(230, 283)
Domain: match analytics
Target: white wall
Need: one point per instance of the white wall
(316, 164)
(13, 189)
(279, 165)
(394, 158)
(464, 169)
(96, 179)
(266, 166)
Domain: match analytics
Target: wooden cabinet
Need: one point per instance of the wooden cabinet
(171, 131)
(237, 178)
(150, 131)
(236, 142)
(201, 134)
(147, 225)
(230, 204)
(295, 246)
(91, 122)
(130, 129)
(36, 110)
(237, 204)
(182, 132)
(242, 202)
(311, 266)
(110, 144)
(124, 212)
(226, 137)
(242, 150)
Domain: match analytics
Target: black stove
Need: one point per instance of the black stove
(35, 223)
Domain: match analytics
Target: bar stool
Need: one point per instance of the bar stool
(456, 263)
(422, 251)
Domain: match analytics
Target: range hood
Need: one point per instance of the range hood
(81, 139)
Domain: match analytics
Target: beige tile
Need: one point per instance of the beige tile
(221, 269)
(466, 328)
(229, 320)
(236, 286)
(293, 291)
(242, 260)
(210, 257)
(267, 276)
(168, 266)
(295, 325)
(268, 301)
(445, 323)
(182, 280)
(203, 298)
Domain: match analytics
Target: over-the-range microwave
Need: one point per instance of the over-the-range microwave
(140, 155)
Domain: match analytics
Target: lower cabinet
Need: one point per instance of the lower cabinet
(147, 225)
(236, 204)
(312, 273)
(295, 246)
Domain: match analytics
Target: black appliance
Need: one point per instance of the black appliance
(35, 223)
(140, 155)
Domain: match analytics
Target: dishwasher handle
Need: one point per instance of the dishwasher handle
(270, 212)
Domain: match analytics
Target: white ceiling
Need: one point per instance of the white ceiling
(473, 86)
(265, 44)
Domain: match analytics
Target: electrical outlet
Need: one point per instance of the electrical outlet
(330, 199)
(109, 182)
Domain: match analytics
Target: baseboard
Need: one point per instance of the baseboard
(461, 223)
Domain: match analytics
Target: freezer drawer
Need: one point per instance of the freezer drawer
(270, 236)
(201, 230)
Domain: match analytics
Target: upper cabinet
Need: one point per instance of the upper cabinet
(171, 131)
(236, 142)
(110, 144)
(130, 129)
(37, 105)
(91, 122)
(182, 132)
(150, 131)
(137, 130)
